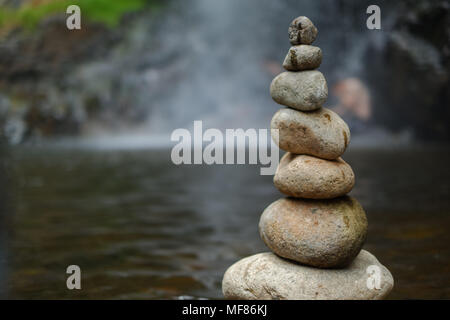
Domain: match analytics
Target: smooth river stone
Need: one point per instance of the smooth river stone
(304, 91)
(264, 276)
(318, 233)
(321, 133)
(303, 57)
(308, 177)
(302, 31)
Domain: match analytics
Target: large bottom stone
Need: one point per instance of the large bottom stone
(265, 276)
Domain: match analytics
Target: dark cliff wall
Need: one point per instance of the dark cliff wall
(411, 73)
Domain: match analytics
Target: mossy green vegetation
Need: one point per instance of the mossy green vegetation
(108, 12)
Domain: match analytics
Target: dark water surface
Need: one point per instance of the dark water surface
(140, 227)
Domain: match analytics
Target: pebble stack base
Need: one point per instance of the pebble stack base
(265, 276)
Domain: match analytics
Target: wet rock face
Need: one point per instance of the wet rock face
(303, 57)
(320, 133)
(414, 92)
(51, 51)
(308, 177)
(304, 91)
(39, 92)
(318, 233)
(265, 276)
(302, 31)
(418, 80)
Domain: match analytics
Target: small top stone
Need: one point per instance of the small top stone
(302, 31)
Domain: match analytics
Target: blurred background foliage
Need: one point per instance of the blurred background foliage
(29, 13)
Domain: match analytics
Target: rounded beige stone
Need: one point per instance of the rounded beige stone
(265, 276)
(318, 233)
(321, 133)
(302, 31)
(308, 177)
(303, 57)
(304, 90)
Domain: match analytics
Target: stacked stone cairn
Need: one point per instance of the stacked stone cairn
(317, 232)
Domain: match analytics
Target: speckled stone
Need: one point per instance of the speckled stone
(309, 177)
(265, 276)
(318, 233)
(304, 91)
(321, 133)
(303, 57)
(302, 31)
